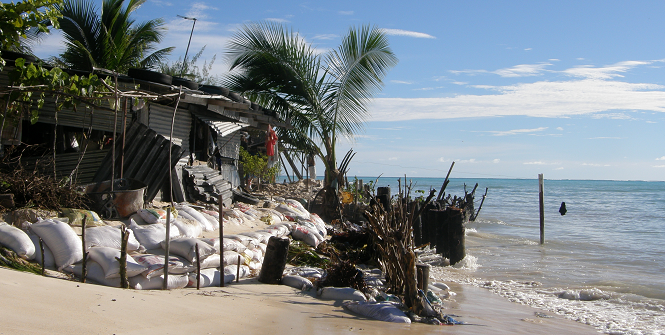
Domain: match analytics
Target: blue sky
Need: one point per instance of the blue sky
(506, 89)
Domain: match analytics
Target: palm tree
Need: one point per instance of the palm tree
(323, 95)
(112, 41)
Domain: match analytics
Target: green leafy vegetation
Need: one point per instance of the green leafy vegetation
(256, 166)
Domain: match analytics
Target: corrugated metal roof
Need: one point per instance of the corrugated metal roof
(222, 128)
(146, 159)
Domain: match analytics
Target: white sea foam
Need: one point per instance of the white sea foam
(607, 312)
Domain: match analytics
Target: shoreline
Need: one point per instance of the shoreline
(34, 304)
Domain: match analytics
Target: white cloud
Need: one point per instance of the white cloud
(659, 166)
(400, 32)
(612, 116)
(604, 138)
(534, 163)
(472, 160)
(401, 82)
(325, 37)
(559, 168)
(345, 12)
(605, 72)
(516, 131)
(661, 158)
(522, 70)
(538, 99)
(559, 128)
(460, 83)
(595, 164)
(496, 160)
(392, 158)
(278, 20)
(527, 49)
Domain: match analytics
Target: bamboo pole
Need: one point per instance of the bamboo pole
(221, 240)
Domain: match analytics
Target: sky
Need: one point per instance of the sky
(505, 89)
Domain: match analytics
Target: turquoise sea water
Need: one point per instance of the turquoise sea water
(603, 263)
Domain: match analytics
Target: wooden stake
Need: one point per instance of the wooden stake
(445, 182)
(238, 270)
(198, 268)
(221, 240)
(481, 205)
(165, 284)
(123, 257)
(84, 270)
(542, 207)
(41, 249)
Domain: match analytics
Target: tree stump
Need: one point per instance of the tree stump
(274, 261)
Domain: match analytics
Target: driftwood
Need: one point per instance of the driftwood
(394, 243)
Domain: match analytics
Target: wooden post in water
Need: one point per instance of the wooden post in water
(455, 224)
(165, 284)
(221, 240)
(542, 207)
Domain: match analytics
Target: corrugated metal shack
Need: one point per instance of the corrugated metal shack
(206, 129)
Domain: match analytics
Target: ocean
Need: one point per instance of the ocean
(603, 263)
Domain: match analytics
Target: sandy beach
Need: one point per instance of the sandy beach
(32, 304)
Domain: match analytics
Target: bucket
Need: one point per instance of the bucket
(126, 198)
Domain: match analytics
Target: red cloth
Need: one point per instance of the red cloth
(271, 140)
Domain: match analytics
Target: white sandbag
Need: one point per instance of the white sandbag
(155, 265)
(61, 239)
(231, 258)
(95, 274)
(156, 283)
(312, 228)
(263, 247)
(229, 244)
(186, 247)
(303, 234)
(341, 293)
(247, 241)
(211, 261)
(48, 255)
(109, 236)
(152, 235)
(254, 266)
(17, 240)
(305, 271)
(153, 215)
(209, 277)
(106, 257)
(214, 220)
(297, 205)
(188, 228)
(262, 237)
(206, 225)
(383, 311)
(298, 282)
(233, 270)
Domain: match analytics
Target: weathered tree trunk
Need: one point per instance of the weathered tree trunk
(274, 261)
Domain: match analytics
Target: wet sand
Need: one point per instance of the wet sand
(31, 304)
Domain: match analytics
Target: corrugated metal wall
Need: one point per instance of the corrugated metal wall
(160, 121)
(230, 173)
(229, 145)
(146, 159)
(66, 163)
